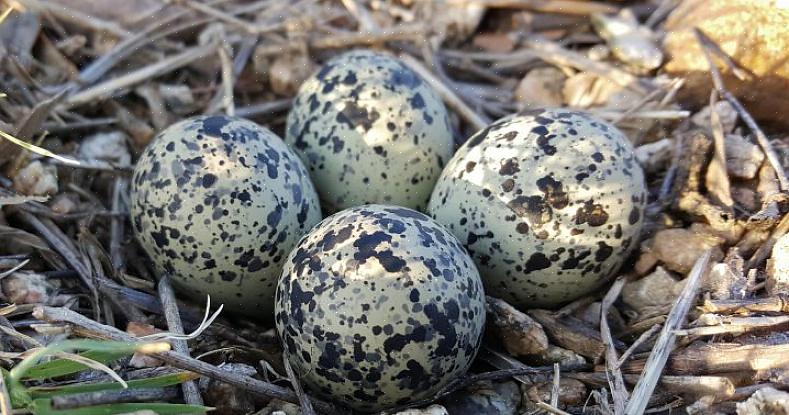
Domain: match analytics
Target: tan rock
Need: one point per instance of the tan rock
(37, 179)
(64, 203)
(430, 410)
(743, 158)
(25, 287)
(451, 20)
(177, 98)
(278, 407)
(646, 262)
(726, 113)
(288, 72)
(745, 197)
(587, 90)
(753, 33)
(766, 401)
(723, 283)
(678, 249)
(494, 42)
(630, 43)
(541, 87)
(656, 291)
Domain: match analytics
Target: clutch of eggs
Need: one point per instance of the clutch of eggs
(370, 130)
(548, 203)
(217, 203)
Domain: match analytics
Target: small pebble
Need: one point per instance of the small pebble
(278, 407)
(679, 249)
(726, 113)
(37, 179)
(109, 147)
(765, 401)
(178, 98)
(541, 87)
(743, 158)
(485, 398)
(288, 72)
(26, 287)
(430, 410)
(652, 293)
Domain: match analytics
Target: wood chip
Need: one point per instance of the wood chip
(519, 334)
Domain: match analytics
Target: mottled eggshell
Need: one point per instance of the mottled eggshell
(218, 203)
(379, 306)
(370, 130)
(548, 203)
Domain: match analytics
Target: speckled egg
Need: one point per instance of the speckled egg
(379, 306)
(548, 203)
(217, 203)
(370, 130)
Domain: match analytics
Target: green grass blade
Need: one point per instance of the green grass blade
(62, 367)
(154, 382)
(44, 407)
(19, 371)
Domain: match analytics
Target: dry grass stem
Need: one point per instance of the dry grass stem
(665, 342)
(175, 326)
(109, 88)
(616, 382)
(304, 400)
(572, 7)
(450, 98)
(769, 152)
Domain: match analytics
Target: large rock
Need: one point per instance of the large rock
(753, 33)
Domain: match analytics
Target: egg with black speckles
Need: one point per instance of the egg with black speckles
(370, 130)
(549, 203)
(218, 202)
(379, 306)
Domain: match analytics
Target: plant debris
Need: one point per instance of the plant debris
(694, 322)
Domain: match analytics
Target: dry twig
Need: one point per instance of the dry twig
(555, 388)
(81, 400)
(617, 384)
(639, 341)
(769, 152)
(452, 100)
(174, 325)
(573, 7)
(304, 401)
(736, 325)
(108, 88)
(773, 304)
(665, 342)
